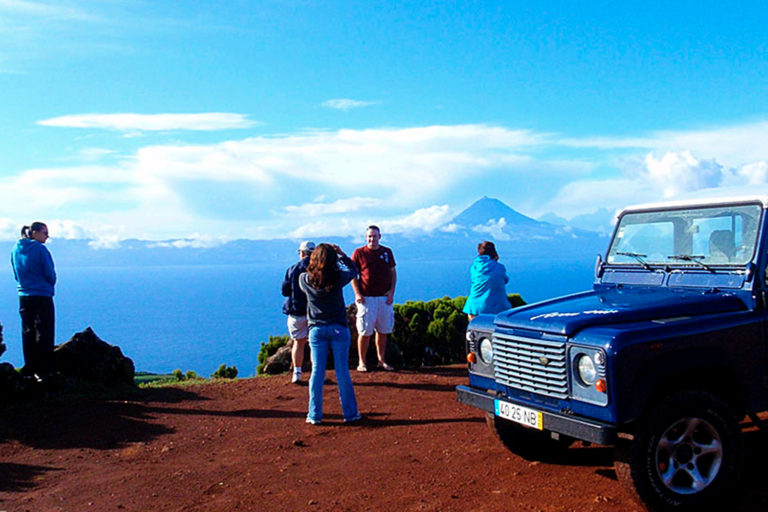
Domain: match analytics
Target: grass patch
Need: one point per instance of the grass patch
(146, 378)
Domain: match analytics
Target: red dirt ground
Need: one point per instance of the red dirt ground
(243, 445)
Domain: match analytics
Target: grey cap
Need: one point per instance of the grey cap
(307, 246)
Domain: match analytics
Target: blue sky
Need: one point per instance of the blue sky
(221, 120)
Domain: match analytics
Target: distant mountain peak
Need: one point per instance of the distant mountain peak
(489, 209)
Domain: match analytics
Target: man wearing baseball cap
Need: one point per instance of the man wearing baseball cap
(295, 306)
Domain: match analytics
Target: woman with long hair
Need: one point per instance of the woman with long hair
(35, 274)
(328, 272)
(488, 292)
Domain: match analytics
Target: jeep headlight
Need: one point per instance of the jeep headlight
(586, 369)
(589, 374)
(486, 350)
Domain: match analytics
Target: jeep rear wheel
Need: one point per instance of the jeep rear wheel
(686, 454)
(526, 442)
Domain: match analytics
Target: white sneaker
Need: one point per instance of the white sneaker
(296, 378)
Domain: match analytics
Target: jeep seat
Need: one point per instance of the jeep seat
(721, 246)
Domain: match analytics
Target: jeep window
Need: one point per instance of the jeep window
(718, 235)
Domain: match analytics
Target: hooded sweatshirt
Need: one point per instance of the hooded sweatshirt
(488, 293)
(33, 268)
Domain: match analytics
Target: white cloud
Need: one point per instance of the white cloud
(67, 229)
(751, 174)
(494, 228)
(656, 177)
(675, 162)
(450, 228)
(128, 122)
(105, 242)
(336, 182)
(195, 240)
(733, 146)
(586, 196)
(677, 173)
(327, 227)
(347, 104)
(348, 205)
(44, 10)
(94, 154)
(423, 219)
(401, 164)
(8, 229)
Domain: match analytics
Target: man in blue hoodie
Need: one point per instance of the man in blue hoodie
(35, 274)
(295, 306)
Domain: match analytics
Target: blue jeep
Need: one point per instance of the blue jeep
(661, 359)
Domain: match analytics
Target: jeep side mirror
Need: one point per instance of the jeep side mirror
(599, 267)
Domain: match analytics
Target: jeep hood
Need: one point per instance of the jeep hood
(570, 314)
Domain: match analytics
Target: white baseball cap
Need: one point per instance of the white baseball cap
(307, 246)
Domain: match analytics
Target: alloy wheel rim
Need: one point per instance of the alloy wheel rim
(689, 455)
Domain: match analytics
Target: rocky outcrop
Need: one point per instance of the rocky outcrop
(85, 362)
(280, 361)
(87, 357)
(11, 382)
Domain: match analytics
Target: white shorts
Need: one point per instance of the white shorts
(375, 315)
(298, 327)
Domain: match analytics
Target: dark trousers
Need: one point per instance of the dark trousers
(37, 333)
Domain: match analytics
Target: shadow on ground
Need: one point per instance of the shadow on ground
(88, 422)
(21, 477)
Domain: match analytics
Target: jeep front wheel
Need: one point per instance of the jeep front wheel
(686, 454)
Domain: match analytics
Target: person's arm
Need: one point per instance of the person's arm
(391, 292)
(49, 273)
(358, 292)
(302, 284)
(350, 272)
(356, 283)
(286, 286)
(13, 266)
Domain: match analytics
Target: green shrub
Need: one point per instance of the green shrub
(514, 298)
(426, 333)
(225, 372)
(189, 375)
(430, 333)
(269, 349)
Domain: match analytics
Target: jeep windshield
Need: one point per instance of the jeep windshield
(702, 237)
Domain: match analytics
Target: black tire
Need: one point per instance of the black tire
(686, 455)
(526, 442)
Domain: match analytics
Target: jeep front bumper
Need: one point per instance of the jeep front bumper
(579, 428)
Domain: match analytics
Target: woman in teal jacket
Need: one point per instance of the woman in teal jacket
(489, 278)
(34, 272)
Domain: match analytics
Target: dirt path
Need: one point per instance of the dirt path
(244, 445)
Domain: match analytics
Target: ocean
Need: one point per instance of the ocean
(199, 317)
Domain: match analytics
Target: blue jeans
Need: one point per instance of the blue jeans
(335, 337)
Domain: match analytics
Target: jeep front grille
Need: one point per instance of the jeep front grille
(531, 364)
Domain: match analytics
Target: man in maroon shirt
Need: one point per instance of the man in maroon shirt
(374, 295)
